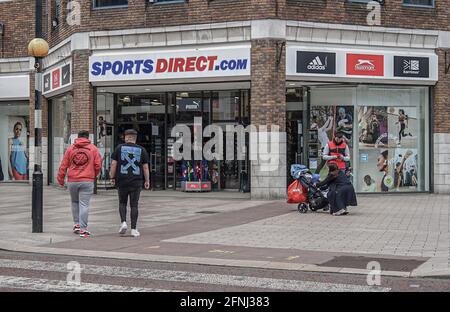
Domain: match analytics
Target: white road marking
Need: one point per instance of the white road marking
(40, 284)
(194, 277)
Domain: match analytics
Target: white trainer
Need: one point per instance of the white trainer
(123, 228)
(339, 213)
(135, 233)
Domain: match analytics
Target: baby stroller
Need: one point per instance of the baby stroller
(315, 198)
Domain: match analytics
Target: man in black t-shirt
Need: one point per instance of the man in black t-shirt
(129, 171)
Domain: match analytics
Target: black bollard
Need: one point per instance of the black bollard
(37, 202)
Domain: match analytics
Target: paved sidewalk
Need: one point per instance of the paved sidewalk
(409, 235)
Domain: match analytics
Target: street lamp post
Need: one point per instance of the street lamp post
(38, 48)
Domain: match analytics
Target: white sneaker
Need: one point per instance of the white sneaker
(135, 233)
(123, 228)
(339, 213)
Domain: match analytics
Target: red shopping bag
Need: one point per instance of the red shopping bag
(296, 193)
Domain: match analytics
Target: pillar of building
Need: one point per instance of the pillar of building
(268, 109)
(442, 127)
(83, 93)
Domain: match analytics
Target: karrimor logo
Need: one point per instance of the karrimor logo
(316, 64)
(365, 64)
(410, 66)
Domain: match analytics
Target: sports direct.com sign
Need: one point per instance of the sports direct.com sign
(194, 63)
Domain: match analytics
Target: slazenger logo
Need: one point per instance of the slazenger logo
(167, 65)
(366, 65)
(316, 64)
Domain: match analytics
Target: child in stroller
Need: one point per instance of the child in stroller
(316, 198)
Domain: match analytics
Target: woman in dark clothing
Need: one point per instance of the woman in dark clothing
(341, 192)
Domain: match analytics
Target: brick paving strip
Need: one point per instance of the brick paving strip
(215, 233)
(153, 243)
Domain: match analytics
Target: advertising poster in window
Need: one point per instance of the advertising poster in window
(388, 170)
(403, 127)
(327, 120)
(17, 148)
(372, 127)
(376, 168)
(14, 145)
(406, 169)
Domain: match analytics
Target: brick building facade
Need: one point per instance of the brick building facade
(269, 29)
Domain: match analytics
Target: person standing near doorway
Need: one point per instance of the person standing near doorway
(81, 163)
(129, 171)
(337, 152)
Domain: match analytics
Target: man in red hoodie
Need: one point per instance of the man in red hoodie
(83, 162)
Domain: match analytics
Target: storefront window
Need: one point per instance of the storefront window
(226, 105)
(154, 115)
(385, 128)
(14, 144)
(61, 130)
(391, 139)
(105, 135)
(188, 106)
(332, 110)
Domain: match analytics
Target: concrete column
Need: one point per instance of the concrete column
(268, 108)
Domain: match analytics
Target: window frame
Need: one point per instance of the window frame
(432, 6)
(106, 7)
(359, 1)
(163, 2)
(56, 14)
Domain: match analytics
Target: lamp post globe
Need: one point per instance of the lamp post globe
(38, 47)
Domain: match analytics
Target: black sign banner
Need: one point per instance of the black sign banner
(409, 66)
(65, 74)
(47, 85)
(316, 62)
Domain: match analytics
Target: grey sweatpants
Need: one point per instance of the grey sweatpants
(80, 194)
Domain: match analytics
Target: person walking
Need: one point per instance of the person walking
(337, 152)
(129, 171)
(81, 163)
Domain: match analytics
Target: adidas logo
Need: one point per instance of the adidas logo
(316, 64)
